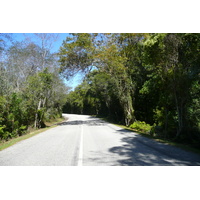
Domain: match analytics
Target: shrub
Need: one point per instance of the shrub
(4, 135)
(141, 126)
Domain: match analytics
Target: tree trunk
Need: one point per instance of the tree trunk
(166, 122)
(36, 114)
(179, 112)
(128, 111)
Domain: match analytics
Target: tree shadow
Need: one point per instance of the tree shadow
(95, 122)
(140, 151)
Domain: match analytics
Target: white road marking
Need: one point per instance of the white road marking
(80, 158)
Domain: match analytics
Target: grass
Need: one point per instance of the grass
(30, 133)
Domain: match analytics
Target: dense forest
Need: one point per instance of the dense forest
(145, 81)
(31, 89)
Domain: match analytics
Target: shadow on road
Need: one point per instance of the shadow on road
(141, 151)
(95, 122)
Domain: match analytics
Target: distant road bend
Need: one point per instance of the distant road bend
(87, 141)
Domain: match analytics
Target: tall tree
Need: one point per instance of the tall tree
(167, 54)
(31, 89)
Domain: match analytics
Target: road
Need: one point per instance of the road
(87, 141)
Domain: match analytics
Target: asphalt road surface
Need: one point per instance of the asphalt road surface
(87, 141)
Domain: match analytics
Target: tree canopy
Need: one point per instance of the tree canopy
(137, 77)
(31, 90)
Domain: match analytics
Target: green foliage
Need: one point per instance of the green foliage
(76, 54)
(31, 90)
(12, 118)
(141, 78)
(141, 126)
(95, 96)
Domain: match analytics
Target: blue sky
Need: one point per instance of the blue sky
(73, 82)
(56, 46)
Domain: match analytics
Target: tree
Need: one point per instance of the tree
(147, 77)
(23, 60)
(76, 54)
(31, 89)
(83, 51)
(167, 54)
